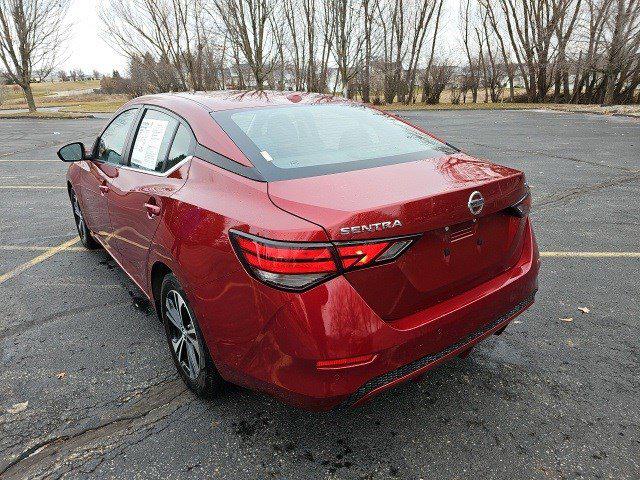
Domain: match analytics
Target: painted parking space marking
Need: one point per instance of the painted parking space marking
(23, 160)
(70, 246)
(32, 187)
(35, 248)
(40, 258)
(592, 254)
(36, 282)
(40, 248)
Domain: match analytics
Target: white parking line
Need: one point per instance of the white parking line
(32, 187)
(592, 254)
(22, 160)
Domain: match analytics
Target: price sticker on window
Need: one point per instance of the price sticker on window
(148, 143)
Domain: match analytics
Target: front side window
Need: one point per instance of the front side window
(112, 142)
(152, 141)
(304, 140)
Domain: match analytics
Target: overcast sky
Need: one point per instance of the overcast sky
(86, 50)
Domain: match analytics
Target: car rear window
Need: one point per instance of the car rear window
(305, 140)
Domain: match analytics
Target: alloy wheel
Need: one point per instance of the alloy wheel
(77, 213)
(184, 339)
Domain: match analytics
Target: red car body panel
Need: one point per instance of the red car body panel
(133, 228)
(465, 278)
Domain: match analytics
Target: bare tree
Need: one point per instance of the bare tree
(531, 25)
(278, 64)
(471, 79)
(586, 64)
(564, 31)
(494, 72)
(347, 40)
(247, 24)
(31, 34)
(588, 50)
(435, 80)
(421, 17)
(172, 31)
(369, 8)
(296, 41)
(623, 45)
(508, 65)
(403, 29)
(318, 41)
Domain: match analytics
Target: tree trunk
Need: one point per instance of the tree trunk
(28, 94)
(260, 77)
(565, 86)
(557, 84)
(366, 92)
(532, 87)
(609, 89)
(512, 92)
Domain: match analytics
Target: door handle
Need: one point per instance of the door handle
(152, 209)
(104, 188)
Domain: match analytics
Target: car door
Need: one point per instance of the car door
(102, 170)
(156, 168)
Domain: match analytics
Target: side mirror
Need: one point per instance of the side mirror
(74, 152)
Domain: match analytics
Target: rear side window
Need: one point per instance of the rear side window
(112, 141)
(305, 140)
(152, 141)
(181, 147)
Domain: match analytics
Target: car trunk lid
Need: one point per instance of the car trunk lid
(456, 250)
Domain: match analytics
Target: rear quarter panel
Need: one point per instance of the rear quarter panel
(192, 240)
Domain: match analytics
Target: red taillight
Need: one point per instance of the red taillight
(360, 255)
(298, 266)
(286, 259)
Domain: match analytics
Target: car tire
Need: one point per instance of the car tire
(186, 342)
(86, 237)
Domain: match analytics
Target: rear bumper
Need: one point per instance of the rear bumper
(417, 367)
(332, 321)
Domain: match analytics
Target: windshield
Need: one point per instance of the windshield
(305, 140)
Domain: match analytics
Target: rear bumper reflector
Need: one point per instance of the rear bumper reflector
(344, 362)
(409, 368)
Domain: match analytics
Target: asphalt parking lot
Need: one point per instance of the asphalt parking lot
(549, 398)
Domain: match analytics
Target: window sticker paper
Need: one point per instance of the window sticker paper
(148, 143)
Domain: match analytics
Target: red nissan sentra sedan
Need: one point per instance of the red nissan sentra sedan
(302, 245)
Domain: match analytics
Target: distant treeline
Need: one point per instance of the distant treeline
(581, 51)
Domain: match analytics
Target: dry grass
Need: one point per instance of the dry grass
(13, 94)
(50, 94)
(83, 103)
(105, 105)
(463, 106)
(79, 103)
(630, 110)
(44, 115)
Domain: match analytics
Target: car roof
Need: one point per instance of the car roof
(196, 109)
(232, 99)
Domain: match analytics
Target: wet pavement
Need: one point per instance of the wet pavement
(88, 389)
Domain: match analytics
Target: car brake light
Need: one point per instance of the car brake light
(522, 208)
(298, 266)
